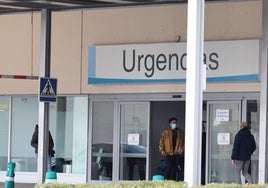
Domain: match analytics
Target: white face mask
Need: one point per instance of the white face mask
(173, 125)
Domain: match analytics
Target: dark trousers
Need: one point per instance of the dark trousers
(172, 167)
(141, 163)
(181, 168)
(203, 172)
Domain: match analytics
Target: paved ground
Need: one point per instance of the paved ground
(19, 185)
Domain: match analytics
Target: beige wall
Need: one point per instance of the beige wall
(66, 51)
(231, 21)
(16, 52)
(74, 31)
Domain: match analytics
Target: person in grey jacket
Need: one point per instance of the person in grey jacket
(243, 147)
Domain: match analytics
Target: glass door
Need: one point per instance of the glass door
(253, 118)
(102, 140)
(4, 131)
(133, 150)
(223, 123)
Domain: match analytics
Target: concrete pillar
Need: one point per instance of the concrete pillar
(263, 97)
(194, 91)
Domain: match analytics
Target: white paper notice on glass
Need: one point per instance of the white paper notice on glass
(222, 114)
(223, 138)
(133, 139)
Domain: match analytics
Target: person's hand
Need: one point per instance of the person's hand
(233, 162)
(181, 150)
(163, 153)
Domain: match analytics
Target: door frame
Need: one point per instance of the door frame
(118, 129)
(207, 98)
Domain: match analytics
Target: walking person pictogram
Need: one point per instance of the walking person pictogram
(48, 90)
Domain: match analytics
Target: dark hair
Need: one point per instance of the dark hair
(172, 119)
(36, 127)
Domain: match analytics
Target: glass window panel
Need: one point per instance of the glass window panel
(68, 127)
(221, 170)
(4, 117)
(133, 140)
(253, 118)
(24, 119)
(102, 140)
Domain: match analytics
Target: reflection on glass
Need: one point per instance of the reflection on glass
(68, 127)
(4, 115)
(221, 170)
(102, 140)
(253, 107)
(24, 119)
(133, 141)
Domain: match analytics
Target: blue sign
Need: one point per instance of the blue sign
(48, 90)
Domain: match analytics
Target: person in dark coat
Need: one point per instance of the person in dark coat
(243, 147)
(203, 153)
(34, 144)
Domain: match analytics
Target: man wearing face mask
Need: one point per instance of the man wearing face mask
(171, 146)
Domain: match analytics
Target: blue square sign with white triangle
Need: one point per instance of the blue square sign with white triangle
(48, 90)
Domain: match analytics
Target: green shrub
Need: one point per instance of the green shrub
(139, 184)
(147, 184)
(215, 185)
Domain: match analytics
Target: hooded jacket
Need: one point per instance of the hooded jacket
(34, 142)
(244, 145)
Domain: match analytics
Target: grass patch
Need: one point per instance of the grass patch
(148, 184)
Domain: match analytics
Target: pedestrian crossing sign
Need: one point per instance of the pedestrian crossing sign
(48, 90)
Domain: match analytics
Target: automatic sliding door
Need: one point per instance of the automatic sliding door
(134, 123)
(223, 124)
(102, 140)
(253, 119)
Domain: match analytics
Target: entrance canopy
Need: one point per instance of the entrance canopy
(13, 6)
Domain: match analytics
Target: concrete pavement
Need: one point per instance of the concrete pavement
(19, 185)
